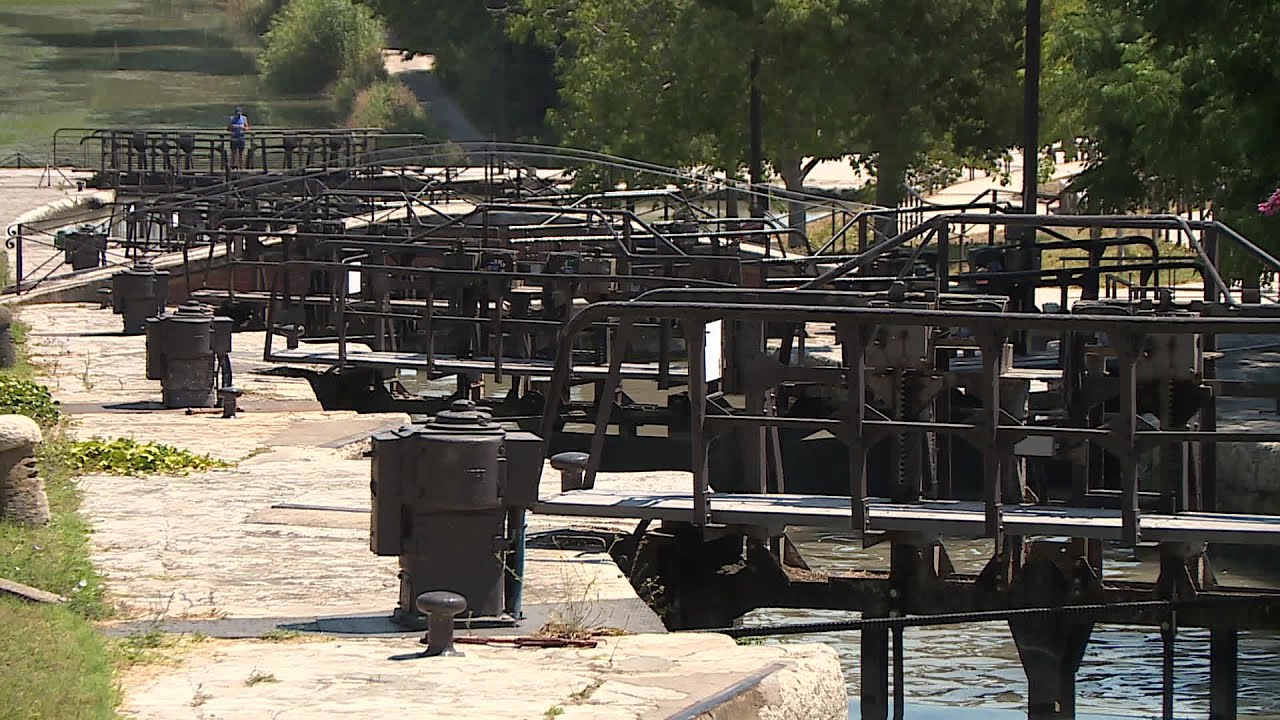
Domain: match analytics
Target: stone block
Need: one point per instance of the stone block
(22, 495)
(8, 351)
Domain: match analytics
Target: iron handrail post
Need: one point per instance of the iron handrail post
(695, 345)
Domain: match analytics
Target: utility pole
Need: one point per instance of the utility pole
(498, 10)
(757, 141)
(1031, 110)
(1030, 142)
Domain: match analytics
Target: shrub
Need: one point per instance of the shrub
(313, 44)
(124, 456)
(390, 105)
(254, 15)
(24, 397)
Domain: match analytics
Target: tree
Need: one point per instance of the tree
(314, 43)
(1174, 99)
(888, 80)
(504, 85)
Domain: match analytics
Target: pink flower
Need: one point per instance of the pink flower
(1272, 205)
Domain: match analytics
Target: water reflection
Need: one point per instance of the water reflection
(976, 665)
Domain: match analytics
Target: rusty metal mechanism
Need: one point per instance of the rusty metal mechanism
(1050, 384)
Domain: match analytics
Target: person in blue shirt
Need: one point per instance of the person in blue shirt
(238, 125)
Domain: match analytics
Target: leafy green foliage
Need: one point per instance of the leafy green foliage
(125, 456)
(1174, 101)
(390, 105)
(504, 83)
(668, 80)
(314, 43)
(19, 396)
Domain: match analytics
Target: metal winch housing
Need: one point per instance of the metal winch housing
(449, 498)
(139, 293)
(82, 248)
(184, 352)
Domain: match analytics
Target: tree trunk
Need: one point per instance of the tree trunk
(891, 171)
(793, 176)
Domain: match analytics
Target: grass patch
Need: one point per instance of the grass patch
(144, 648)
(55, 557)
(55, 663)
(130, 63)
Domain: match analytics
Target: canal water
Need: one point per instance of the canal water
(970, 671)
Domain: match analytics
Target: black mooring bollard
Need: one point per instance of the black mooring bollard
(440, 607)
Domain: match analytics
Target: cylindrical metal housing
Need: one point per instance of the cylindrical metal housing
(138, 293)
(457, 552)
(180, 354)
(438, 503)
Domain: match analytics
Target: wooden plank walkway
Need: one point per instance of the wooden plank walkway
(941, 518)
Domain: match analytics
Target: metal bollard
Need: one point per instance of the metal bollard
(227, 398)
(572, 467)
(440, 607)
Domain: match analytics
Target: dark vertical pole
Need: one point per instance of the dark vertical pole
(875, 671)
(1206, 491)
(1168, 634)
(1031, 109)
(1125, 439)
(899, 676)
(1030, 145)
(503, 99)
(757, 139)
(853, 345)
(1223, 645)
(695, 338)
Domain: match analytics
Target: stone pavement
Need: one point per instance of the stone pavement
(26, 196)
(640, 676)
(279, 541)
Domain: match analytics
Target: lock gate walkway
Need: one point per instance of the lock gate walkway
(939, 518)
